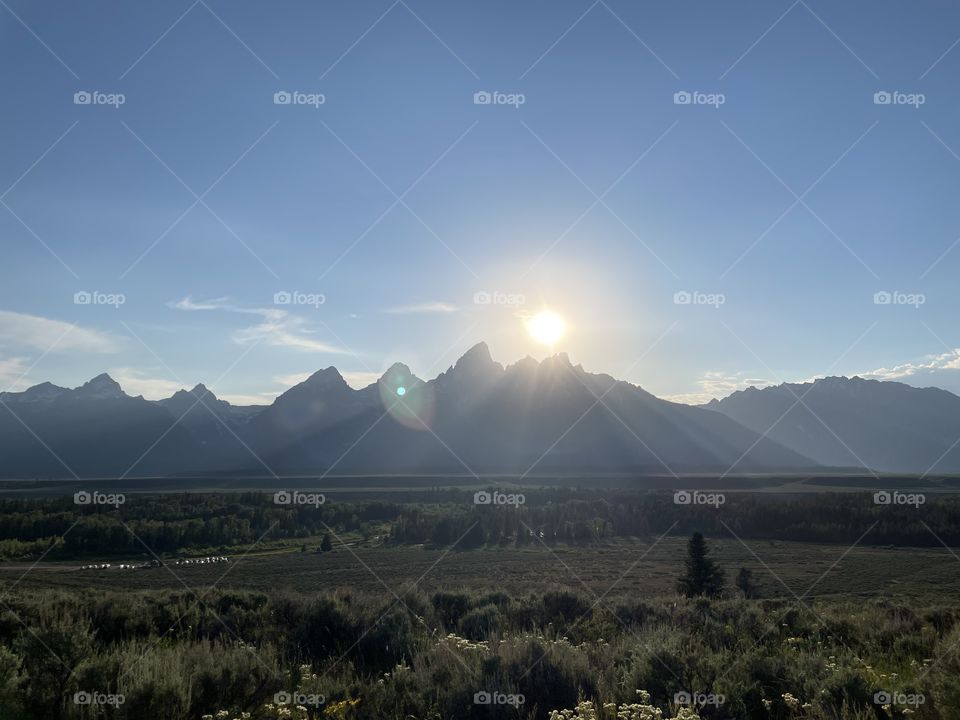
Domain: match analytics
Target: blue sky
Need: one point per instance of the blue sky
(398, 199)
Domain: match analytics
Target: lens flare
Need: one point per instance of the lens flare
(405, 399)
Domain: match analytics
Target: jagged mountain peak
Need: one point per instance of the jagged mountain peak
(317, 388)
(198, 390)
(557, 359)
(44, 392)
(398, 374)
(325, 378)
(102, 386)
(479, 354)
(527, 362)
(476, 363)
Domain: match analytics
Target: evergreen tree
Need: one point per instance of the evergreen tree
(745, 583)
(702, 576)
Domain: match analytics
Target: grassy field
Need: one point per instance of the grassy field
(619, 569)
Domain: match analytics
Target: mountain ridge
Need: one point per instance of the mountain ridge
(858, 422)
(477, 415)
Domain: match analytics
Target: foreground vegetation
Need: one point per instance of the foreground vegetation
(568, 606)
(181, 655)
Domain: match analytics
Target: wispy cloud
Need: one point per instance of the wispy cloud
(12, 372)
(257, 399)
(289, 331)
(719, 385)
(356, 379)
(360, 379)
(427, 308)
(714, 384)
(135, 382)
(288, 381)
(932, 363)
(40, 333)
(277, 327)
(189, 303)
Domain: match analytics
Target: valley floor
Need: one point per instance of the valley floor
(620, 568)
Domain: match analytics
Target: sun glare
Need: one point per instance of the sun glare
(546, 327)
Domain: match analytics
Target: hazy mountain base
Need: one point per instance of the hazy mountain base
(180, 655)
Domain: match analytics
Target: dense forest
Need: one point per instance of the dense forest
(190, 523)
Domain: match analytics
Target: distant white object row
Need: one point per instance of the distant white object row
(156, 563)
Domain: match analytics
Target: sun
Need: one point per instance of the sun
(546, 327)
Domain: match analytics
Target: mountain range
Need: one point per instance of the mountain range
(477, 417)
(852, 422)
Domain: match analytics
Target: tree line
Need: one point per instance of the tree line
(174, 523)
